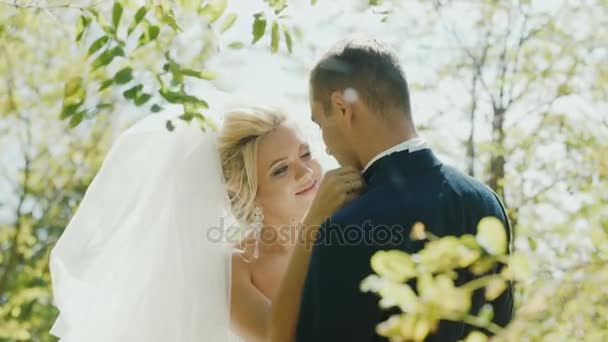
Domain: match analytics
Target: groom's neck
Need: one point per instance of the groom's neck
(382, 137)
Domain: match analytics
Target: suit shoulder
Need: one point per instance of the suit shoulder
(464, 183)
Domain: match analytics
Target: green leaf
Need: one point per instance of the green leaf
(313, 2)
(106, 84)
(564, 90)
(275, 37)
(171, 96)
(117, 51)
(288, 40)
(142, 99)
(519, 267)
(116, 14)
(83, 24)
(181, 98)
(98, 44)
(170, 126)
(174, 69)
(532, 243)
(156, 108)
(495, 288)
(74, 95)
(200, 103)
(259, 27)
(202, 74)
(100, 20)
(68, 110)
(77, 119)
(476, 336)
(124, 76)
(141, 13)
(214, 10)
(491, 235)
(150, 34)
(132, 92)
(153, 31)
(188, 116)
(107, 57)
(139, 16)
(196, 105)
(169, 19)
(104, 106)
(236, 45)
(486, 313)
(395, 265)
(72, 87)
(228, 22)
(279, 6)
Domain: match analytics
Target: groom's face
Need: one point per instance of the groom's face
(334, 133)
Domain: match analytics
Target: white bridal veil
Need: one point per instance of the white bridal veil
(141, 259)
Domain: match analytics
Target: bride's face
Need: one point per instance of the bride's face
(288, 176)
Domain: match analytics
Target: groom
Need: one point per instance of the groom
(360, 100)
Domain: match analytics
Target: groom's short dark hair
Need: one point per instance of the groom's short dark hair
(366, 65)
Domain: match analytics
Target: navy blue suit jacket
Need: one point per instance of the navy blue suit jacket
(402, 188)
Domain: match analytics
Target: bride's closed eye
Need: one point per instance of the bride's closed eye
(280, 171)
(283, 169)
(306, 155)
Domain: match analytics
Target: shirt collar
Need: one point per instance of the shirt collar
(411, 145)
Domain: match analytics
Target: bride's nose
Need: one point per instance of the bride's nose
(303, 170)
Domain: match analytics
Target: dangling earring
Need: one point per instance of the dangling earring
(256, 225)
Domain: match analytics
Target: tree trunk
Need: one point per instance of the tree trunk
(497, 160)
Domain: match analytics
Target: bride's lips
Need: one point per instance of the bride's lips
(308, 188)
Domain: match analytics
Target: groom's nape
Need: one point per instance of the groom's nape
(359, 97)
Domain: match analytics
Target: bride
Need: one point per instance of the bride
(196, 236)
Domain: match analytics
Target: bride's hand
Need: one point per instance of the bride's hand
(338, 187)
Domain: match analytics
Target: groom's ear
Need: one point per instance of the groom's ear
(343, 106)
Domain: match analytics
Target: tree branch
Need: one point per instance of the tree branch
(503, 64)
(471, 141)
(477, 63)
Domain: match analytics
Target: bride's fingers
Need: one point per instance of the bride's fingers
(353, 177)
(353, 185)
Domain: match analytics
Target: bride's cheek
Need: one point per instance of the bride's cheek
(317, 169)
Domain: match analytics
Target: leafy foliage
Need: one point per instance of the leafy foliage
(437, 295)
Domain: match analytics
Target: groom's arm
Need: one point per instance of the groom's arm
(333, 308)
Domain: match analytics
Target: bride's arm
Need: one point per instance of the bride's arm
(338, 187)
(250, 309)
(286, 306)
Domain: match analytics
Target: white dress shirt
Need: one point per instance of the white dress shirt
(411, 145)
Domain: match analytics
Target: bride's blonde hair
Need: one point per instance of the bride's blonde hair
(238, 142)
